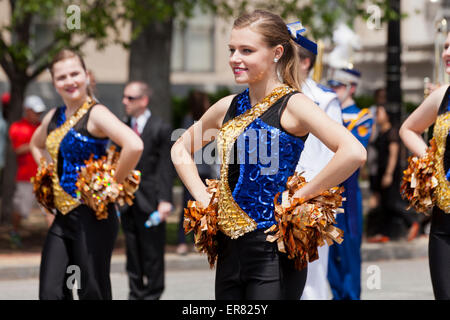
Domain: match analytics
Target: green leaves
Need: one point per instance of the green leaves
(103, 21)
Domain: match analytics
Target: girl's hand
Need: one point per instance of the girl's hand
(205, 198)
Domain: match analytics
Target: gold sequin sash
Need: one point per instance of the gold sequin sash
(440, 133)
(64, 202)
(232, 220)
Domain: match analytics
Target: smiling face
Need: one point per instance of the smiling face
(70, 79)
(251, 60)
(446, 54)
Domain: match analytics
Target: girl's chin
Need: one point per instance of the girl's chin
(240, 80)
(72, 95)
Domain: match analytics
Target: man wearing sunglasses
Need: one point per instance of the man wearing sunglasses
(145, 242)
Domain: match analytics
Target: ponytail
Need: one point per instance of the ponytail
(289, 66)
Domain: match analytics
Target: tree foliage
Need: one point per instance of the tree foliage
(102, 18)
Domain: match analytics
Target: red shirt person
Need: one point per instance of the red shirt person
(20, 134)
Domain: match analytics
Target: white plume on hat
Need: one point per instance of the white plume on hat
(346, 40)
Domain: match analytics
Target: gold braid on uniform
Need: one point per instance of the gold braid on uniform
(440, 133)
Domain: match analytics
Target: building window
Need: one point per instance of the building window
(193, 44)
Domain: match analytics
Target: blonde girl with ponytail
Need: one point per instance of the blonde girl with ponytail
(261, 134)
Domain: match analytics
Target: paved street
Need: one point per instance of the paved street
(384, 280)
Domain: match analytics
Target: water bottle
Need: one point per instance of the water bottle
(153, 219)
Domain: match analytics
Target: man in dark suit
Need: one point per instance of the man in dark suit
(145, 245)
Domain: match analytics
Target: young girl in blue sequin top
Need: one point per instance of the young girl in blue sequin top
(261, 133)
(77, 241)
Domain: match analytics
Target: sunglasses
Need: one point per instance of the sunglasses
(131, 98)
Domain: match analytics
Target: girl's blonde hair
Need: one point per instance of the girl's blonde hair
(274, 32)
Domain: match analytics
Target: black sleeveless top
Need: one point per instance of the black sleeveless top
(80, 126)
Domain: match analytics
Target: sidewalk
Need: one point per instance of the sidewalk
(26, 265)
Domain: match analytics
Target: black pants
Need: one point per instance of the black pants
(439, 254)
(251, 268)
(78, 246)
(145, 255)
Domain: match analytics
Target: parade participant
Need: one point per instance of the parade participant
(313, 159)
(71, 134)
(344, 266)
(270, 115)
(435, 109)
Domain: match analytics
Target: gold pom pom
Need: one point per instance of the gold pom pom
(303, 226)
(43, 185)
(203, 221)
(97, 187)
(419, 181)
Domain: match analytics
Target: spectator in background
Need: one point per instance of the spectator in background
(3, 132)
(145, 243)
(198, 103)
(389, 221)
(20, 134)
(372, 158)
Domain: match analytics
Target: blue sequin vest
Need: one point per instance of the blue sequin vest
(76, 147)
(266, 156)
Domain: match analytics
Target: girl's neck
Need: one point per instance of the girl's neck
(73, 105)
(259, 90)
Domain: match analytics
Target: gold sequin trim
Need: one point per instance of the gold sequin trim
(440, 133)
(232, 220)
(64, 202)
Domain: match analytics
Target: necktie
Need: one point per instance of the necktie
(135, 128)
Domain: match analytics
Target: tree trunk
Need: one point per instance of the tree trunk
(8, 184)
(149, 62)
(393, 67)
